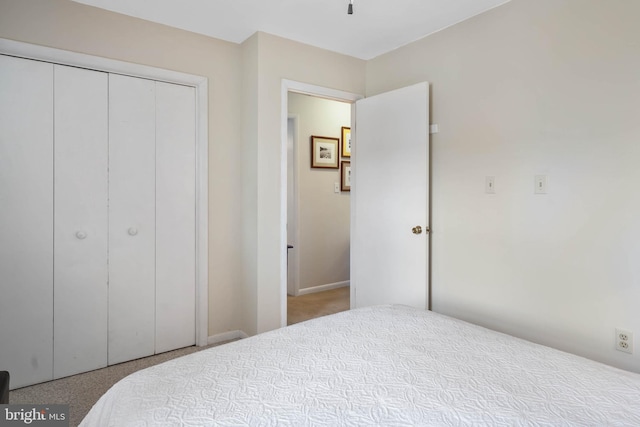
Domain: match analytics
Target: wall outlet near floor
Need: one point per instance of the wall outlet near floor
(624, 340)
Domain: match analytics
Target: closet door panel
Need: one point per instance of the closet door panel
(175, 216)
(80, 245)
(131, 218)
(26, 220)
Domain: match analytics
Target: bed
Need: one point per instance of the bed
(384, 365)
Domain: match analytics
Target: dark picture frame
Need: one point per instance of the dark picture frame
(324, 152)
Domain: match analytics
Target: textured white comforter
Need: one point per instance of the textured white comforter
(387, 366)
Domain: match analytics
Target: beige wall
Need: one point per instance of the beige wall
(279, 59)
(535, 87)
(249, 190)
(71, 26)
(324, 218)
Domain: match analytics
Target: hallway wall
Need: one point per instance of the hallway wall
(323, 220)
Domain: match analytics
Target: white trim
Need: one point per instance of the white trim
(352, 209)
(200, 83)
(307, 89)
(74, 59)
(226, 336)
(322, 288)
(202, 212)
(293, 255)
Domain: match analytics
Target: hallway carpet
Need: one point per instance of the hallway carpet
(310, 306)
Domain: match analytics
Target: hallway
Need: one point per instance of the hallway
(310, 306)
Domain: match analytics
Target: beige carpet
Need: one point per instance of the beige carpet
(310, 306)
(82, 391)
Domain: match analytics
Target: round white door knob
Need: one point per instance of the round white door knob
(81, 235)
(133, 231)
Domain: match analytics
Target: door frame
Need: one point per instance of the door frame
(200, 84)
(319, 92)
(293, 256)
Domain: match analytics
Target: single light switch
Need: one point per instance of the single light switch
(336, 187)
(489, 184)
(541, 184)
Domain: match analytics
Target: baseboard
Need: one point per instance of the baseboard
(226, 336)
(321, 288)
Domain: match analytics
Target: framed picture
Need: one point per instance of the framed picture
(324, 152)
(345, 176)
(346, 142)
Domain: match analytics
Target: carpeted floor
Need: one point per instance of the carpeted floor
(82, 391)
(310, 306)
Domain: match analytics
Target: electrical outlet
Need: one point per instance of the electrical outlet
(624, 340)
(541, 184)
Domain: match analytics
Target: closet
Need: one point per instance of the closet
(97, 218)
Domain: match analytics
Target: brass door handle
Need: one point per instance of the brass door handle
(418, 230)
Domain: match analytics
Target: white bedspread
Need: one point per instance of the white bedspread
(387, 366)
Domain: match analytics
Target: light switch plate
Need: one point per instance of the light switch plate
(490, 184)
(540, 184)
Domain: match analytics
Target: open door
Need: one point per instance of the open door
(390, 199)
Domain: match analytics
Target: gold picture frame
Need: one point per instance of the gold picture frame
(324, 152)
(346, 141)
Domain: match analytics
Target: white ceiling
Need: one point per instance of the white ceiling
(376, 27)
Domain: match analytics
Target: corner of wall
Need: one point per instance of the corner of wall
(249, 187)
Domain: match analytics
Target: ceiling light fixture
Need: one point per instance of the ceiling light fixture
(350, 8)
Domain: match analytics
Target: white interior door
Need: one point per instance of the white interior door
(175, 216)
(132, 158)
(390, 182)
(80, 218)
(26, 220)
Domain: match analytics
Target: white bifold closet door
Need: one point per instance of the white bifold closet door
(80, 220)
(26, 220)
(97, 219)
(132, 218)
(175, 216)
(151, 217)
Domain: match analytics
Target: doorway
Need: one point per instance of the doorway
(377, 260)
(318, 208)
(289, 255)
